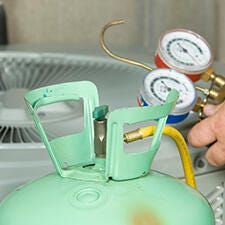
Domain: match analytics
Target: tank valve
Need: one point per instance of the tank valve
(100, 128)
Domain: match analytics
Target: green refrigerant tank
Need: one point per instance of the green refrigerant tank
(118, 189)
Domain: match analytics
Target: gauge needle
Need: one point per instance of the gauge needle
(168, 88)
(186, 51)
(183, 49)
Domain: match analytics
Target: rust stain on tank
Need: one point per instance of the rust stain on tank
(144, 217)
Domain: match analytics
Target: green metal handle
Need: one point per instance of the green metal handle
(121, 165)
(75, 149)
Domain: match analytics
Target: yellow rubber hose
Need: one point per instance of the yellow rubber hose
(178, 139)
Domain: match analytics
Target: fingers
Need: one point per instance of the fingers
(209, 130)
(202, 133)
(215, 155)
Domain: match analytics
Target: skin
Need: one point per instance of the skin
(211, 131)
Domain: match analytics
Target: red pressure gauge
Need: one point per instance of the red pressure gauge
(184, 51)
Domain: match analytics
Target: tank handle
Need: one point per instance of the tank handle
(121, 165)
(74, 149)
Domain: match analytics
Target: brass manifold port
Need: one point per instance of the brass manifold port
(216, 92)
(209, 74)
(199, 105)
(216, 95)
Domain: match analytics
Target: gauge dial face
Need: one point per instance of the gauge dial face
(185, 50)
(160, 82)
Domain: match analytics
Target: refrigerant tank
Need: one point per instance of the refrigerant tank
(116, 190)
(151, 200)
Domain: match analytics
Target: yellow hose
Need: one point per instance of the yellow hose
(180, 142)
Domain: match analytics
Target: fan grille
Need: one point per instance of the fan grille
(36, 70)
(216, 200)
(18, 135)
(21, 72)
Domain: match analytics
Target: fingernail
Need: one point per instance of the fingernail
(209, 109)
(210, 159)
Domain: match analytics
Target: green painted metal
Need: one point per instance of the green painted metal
(121, 165)
(119, 189)
(155, 199)
(77, 149)
(100, 112)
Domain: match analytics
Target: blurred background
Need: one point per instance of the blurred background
(78, 23)
(74, 26)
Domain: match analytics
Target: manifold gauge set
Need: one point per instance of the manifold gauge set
(182, 58)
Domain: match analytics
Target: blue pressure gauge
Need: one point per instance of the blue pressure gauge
(158, 83)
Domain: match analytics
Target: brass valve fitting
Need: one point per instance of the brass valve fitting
(198, 105)
(218, 95)
(209, 74)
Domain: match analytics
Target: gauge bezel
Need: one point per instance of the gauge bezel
(149, 97)
(182, 68)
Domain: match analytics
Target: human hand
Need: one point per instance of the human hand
(211, 131)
